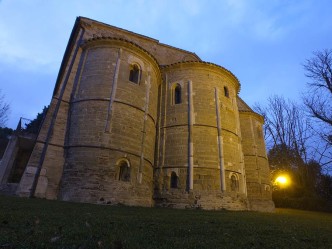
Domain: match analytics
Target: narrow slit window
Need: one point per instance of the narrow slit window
(134, 74)
(177, 94)
(174, 180)
(226, 92)
(124, 172)
(234, 183)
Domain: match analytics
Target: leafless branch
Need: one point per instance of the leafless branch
(4, 110)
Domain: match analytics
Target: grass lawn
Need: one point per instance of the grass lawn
(37, 223)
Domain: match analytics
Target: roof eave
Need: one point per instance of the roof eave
(66, 56)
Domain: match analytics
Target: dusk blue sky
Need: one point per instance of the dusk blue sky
(263, 42)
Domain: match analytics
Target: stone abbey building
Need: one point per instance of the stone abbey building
(138, 122)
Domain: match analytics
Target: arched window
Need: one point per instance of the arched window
(234, 183)
(135, 73)
(177, 94)
(124, 171)
(226, 92)
(174, 180)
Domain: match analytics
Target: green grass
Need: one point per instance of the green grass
(36, 223)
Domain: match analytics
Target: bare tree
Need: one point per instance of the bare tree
(4, 110)
(293, 145)
(318, 100)
(286, 125)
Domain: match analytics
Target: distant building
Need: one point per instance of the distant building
(138, 122)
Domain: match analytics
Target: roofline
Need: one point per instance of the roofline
(70, 44)
(240, 99)
(99, 39)
(254, 114)
(209, 64)
(140, 35)
(125, 30)
(250, 110)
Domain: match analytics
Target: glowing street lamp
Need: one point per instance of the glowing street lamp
(282, 181)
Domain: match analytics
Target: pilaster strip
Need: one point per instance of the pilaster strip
(113, 92)
(190, 137)
(220, 142)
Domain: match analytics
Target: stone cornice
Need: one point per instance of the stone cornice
(102, 40)
(254, 114)
(204, 65)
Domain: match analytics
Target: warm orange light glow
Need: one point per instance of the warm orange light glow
(282, 181)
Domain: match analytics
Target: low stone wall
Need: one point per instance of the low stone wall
(208, 200)
(261, 205)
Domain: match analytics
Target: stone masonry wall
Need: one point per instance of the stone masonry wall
(98, 121)
(196, 199)
(173, 147)
(257, 169)
(51, 138)
(105, 129)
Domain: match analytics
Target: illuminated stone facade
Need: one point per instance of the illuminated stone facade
(138, 122)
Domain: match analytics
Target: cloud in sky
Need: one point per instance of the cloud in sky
(26, 40)
(45, 19)
(265, 20)
(262, 42)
